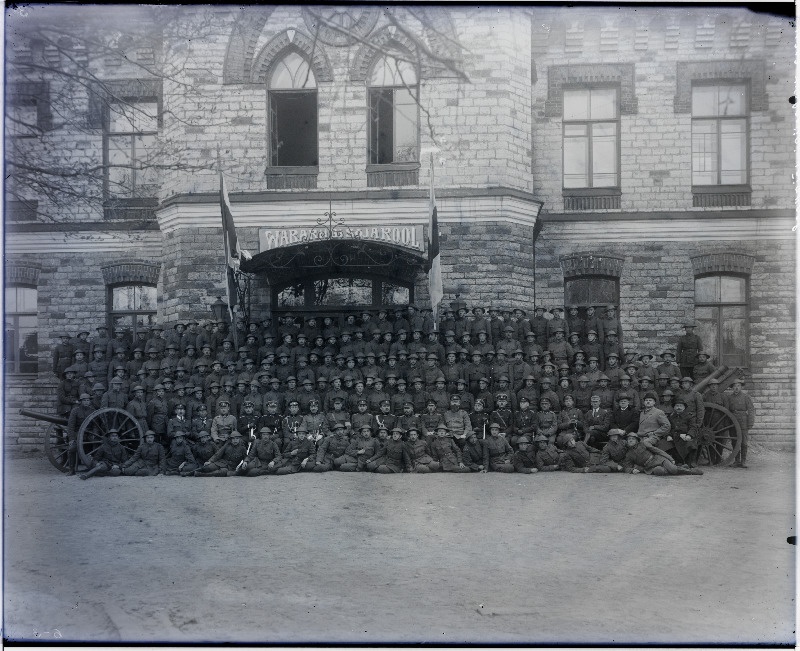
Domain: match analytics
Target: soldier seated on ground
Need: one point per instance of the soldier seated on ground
(576, 455)
(497, 452)
(525, 456)
(180, 458)
(108, 458)
(642, 457)
(612, 455)
(225, 459)
(148, 460)
(547, 454)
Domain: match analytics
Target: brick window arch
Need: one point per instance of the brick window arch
(131, 302)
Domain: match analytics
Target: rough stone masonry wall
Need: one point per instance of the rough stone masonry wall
(655, 142)
(657, 295)
(483, 127)
(72, 296)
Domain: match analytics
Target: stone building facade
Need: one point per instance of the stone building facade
(575, 155)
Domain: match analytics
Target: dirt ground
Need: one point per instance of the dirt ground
(364, 558)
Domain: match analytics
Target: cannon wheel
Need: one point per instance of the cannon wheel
(720, 437)
(97, 425)
(56, 446)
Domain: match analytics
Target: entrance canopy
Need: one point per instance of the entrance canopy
(337, 257)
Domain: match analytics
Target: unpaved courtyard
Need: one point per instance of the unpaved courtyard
(370, 558)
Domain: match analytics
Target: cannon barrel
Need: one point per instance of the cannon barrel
(701, 386)
(37, 415)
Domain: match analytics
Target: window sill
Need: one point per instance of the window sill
(292, 177)
(591, 198)
(716, 196)
(392, 174)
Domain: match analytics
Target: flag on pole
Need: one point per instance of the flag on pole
(435, 288)
(231, 242)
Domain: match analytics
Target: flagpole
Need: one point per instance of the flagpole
(227, 245)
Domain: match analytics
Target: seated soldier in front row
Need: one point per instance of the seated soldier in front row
(576, 455)
(497, 452)
(180, 458)
(643, 457)
(225, 459)
(108, 458)
(612, 455)
(263, 455)
(419, 452)
(548, 456)
(148, 460)
(445, 453)
(525, 456)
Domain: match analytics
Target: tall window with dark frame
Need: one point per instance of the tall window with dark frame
(584, 291)
(591, 138)
(293, 113)
(722, 315)
(21, 331)
(132, 308)
(393, 112)
(719, 134)
(131, 133)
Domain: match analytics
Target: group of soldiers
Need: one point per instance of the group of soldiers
(482, 391)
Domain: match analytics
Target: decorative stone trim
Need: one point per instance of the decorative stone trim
(32, 93)
(101, 94)
(383, 41)
(591, 264)
(752, 71)
(247, 27)
(292, 178)
(131, 272)
(725, 262)
(381, 176)
(282, 44)
(22, 274)
(719, 196)
(622, 74)
(607, 201)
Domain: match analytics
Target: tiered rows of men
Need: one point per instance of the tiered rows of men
(480, 393)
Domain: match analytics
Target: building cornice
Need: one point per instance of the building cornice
(356, 209)
(679, 226)
(39, 244)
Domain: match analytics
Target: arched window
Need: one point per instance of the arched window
(293, 113)
(722, 315)
(324, 294)
(393, 111)
(21, 330)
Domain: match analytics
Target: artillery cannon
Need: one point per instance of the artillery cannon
(91, 434)
(720, 436)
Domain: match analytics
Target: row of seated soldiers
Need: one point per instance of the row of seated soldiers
(290, 446)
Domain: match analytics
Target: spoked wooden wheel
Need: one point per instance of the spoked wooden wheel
(56, 446)
(720, 437)
(98, 424)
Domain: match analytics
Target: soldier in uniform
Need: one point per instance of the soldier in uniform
(472, 454)
(360, 448)
(741, 406)
(226, 459)
(653, 423)
(446, 455)
(395, 454)
(668, 365)
(148, 460)
(688, 347)
(180, 458)
(77, 415)
(612, 455)
(223, 424)
(108, 458)
(576, 456)
(643, 457)
(547, 454)
(713, 395)
(597, 422)
(262, 458)
(703, 368)
(524, 459)
(497, 452)
(693, 400)
(202, 451)
(418, 453)
(332, 448)
(62, 355)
